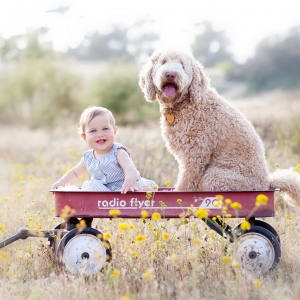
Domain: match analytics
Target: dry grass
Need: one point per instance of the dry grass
(187, 265)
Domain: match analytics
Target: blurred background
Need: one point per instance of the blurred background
(58, 57)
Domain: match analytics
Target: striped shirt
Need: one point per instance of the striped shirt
(106, 173)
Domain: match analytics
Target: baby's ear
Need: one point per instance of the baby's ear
(83, 137)
(145, 77)
(116, 129)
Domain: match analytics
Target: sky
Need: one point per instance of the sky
(246, 22)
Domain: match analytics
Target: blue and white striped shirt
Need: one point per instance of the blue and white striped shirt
(106, 173)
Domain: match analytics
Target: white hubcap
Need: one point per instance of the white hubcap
(84, 253)
(255, 252)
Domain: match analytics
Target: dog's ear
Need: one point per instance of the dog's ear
(145, 77)
(200, 82)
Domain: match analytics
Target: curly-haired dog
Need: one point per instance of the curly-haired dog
(215, 146)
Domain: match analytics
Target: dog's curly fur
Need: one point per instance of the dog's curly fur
(216, 147)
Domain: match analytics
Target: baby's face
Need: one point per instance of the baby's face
(100, 134)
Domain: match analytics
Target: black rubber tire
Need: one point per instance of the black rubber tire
(268, 227)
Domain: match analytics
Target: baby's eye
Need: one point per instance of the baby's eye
(105, 128)
(94, 130)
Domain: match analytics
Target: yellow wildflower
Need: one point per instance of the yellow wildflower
(287, 217)
(257, 283)
(216, 203)
(156, 216)
(168, 183)
(261, 200)
(165, 236)
(148, 275)
(245, 225)
(202, 213)
(115, 273)
(4, 255)
(226, 260)
(114, 212)
(297, 168)
(219, 197)
(140, 238)
(144, 214)
(123, 226)
(107, 236)
(134, 254)
(227, 201)
(125, 297)
(179, 201)
(236, 205)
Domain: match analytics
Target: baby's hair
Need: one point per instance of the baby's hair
(90, 113)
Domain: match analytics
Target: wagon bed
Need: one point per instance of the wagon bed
(168, 203)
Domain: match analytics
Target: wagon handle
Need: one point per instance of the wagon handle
(24, 233)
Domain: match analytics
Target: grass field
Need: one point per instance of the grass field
(158, 259)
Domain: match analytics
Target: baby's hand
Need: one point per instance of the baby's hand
(56, 185)
(128, 186)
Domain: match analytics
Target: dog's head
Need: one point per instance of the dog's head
(168, 76)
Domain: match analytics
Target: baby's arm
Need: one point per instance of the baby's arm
(71, 176)
(129, 169)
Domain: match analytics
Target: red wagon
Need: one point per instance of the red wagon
(257, 248)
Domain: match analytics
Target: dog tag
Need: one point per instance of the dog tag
(170, 118)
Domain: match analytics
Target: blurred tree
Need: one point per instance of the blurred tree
(38, 93)
(117, 89)
(127, 45)
(275, 64)
(210, 46)
(28, 46)
(97, 46)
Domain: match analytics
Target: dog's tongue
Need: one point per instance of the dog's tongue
(169, 90)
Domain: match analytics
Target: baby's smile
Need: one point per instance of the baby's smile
(101, 141)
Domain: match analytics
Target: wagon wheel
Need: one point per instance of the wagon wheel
(268, 227)
(257, 250)
(261, 224)
(83, 251)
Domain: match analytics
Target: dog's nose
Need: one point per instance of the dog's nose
(170, 76)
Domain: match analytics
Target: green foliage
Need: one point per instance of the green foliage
(38, 93)
(117, 89)
(275, 64)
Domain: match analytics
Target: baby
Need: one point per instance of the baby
(108, 162)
